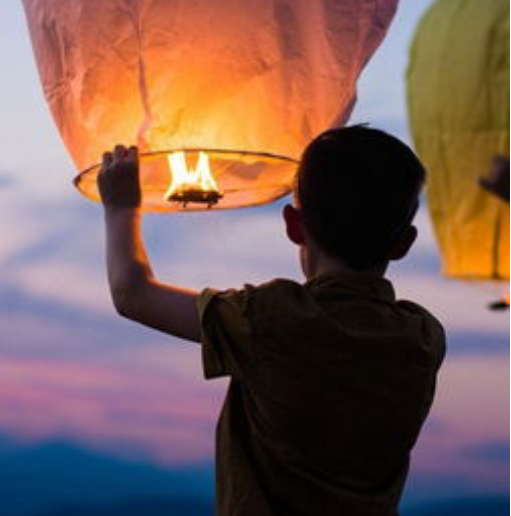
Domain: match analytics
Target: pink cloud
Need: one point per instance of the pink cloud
(170, 420)
(471, 410)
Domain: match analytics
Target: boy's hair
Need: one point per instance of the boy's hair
(358, 190)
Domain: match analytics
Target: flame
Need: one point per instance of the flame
(194, 184)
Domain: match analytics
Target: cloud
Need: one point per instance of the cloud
(496, 451)
(7, 180)
(469, 416)
(460, 306)
(134, 395)
(98, 380)
(221, 249)
(164, 417)
(60, 257)
(70, 367)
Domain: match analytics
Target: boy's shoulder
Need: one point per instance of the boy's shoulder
(312, 296)
(270, 296)
(431, 328)
(413, 308)
(277, 292)
(329, 309)
(246, 295)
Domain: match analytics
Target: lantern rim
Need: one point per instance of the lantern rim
(154, 154)
(273, 190)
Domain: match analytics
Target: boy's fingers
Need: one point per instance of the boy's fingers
(107, 160)
(119, 153)
(132, 154)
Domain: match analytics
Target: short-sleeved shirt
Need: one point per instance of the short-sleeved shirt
(330, 384)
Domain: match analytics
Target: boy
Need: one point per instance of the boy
(330, 380)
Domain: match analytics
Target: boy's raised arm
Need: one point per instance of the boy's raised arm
(136, 293)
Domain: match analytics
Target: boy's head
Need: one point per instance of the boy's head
(357, 191)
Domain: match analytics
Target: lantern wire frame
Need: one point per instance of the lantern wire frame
(244, 178)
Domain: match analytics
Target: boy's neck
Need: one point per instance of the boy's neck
(317, 263)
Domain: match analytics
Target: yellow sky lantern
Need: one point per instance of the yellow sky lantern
(458, 96)
(219, 93)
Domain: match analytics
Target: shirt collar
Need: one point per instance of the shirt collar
(363, 285)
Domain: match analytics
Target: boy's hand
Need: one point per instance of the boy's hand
(118, 178)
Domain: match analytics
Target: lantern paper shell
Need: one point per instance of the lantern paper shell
(458, 95)
(255, 78)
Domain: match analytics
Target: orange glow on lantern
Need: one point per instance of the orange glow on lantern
(241, 85)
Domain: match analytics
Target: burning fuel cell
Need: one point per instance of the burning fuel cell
(194, 185)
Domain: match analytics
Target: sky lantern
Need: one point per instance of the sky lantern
(458, 97)
(220, 96)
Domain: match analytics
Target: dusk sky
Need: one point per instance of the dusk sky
(76, 379)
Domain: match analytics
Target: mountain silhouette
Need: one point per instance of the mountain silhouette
(62, 479)
(43, 479)
(482, 506)
(149, 507)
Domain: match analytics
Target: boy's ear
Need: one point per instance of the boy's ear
(294, 225)
(403, 245)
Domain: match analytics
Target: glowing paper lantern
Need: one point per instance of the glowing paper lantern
(458, 94)
(247, 83)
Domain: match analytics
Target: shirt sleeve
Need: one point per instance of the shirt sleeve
(225, 332)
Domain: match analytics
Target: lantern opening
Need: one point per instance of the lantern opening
(194, 184)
